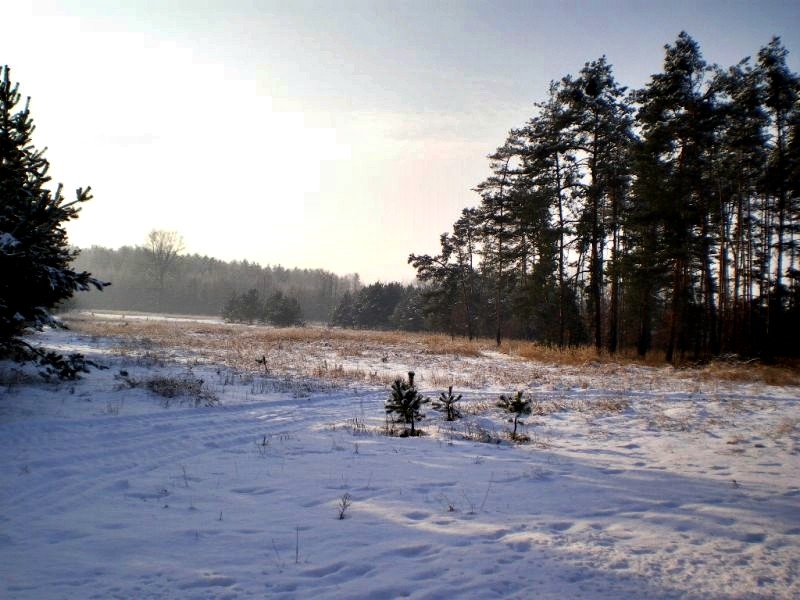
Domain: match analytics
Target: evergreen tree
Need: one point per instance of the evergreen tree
(517, 405)
(551, 172)
(245, 308)
(677, 117)
(374, 305)
(739, 166)
(497, 217)
(780, 100)
(682, 235)
(283, 311)
(598, 120)
(34, 253)
(406, 402)
(343, 314)
(408, 314)
(447, 404)
(451, 275)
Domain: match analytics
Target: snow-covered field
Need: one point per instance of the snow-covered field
(636, 482)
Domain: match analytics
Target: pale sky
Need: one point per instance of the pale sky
(343, 134)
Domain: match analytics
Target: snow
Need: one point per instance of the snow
(636, 483)
(8, 241)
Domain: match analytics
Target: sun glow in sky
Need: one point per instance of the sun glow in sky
(340, 135)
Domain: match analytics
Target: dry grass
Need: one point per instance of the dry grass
(324, 351)
(787, 427)
(549, 354)
(608, 405)
(750, 372)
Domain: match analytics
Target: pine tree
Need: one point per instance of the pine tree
(35, 258)
(283, 311)
(245, 308)
(406, 402)
(550, 169)
(343, 314)
(447, 404)
(781, 88)
(740, 164)
(518, 405)
(599, 123)
(452, 276)
(677, 116)
(497, 217)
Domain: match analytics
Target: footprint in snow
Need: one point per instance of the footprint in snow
(417, 515)
(208, 581)
(255, 491)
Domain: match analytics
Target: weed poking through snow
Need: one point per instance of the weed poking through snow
(344, 503)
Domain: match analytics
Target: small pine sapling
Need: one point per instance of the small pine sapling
(406, 402)
(447, 404)
(518, 405)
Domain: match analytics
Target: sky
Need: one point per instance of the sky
(341, 135)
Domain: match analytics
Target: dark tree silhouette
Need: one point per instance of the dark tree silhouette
(34, 253)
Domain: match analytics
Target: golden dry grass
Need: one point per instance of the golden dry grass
(321, 351)
(750, 372)
(549, 354)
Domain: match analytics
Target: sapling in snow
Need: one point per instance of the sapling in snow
(406, 402)
(516, 404)
(447, 404)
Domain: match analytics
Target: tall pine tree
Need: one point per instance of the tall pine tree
(34, 254)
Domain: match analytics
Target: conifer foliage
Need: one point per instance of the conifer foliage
(406, 402)
(665, 218)
(248, 307)
(34, 253)
(447, 404)
(517, 405)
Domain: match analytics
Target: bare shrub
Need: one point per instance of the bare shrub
(185, 389)
(344, 503)
(608, 405)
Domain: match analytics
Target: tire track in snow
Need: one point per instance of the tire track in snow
(120, 447)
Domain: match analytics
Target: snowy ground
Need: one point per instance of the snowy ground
(636, 483)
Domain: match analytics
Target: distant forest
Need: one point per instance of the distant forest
(155, 277)
(660, 218)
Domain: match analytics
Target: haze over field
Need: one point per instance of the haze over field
(334, 135)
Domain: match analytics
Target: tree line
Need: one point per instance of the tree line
(663, 218)
(157, 277)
